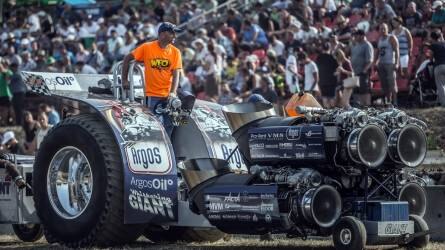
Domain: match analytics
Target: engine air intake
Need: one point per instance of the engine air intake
(407, 145)
(367, 145)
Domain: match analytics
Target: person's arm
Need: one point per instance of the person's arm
(125, 65)
(369, 57)
(410, 42)
(395, 47)
(175, 82)
(316, 77)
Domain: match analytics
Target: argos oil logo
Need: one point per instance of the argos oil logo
(159, 63)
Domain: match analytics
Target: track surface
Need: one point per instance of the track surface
(237, 243)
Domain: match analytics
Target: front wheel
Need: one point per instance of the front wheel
(28, 232)
(420, 225)
(349, 233)
(78, 192)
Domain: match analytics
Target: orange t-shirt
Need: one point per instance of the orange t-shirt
(159, 66)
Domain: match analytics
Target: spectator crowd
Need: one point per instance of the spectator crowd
(341, 51)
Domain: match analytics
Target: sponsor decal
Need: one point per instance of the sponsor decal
(151, 203)
(214, 217)
(311, 133)
(60, 81)
(285, 145)
(157, 184)
(231, 198)
(148, 157)
(396, 228)
(268, 218)
(223, 151)
(293, 133)
(267, 207)
(5, 186)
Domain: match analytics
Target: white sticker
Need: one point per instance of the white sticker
(223, 151)
(148, 157)
(60, 81)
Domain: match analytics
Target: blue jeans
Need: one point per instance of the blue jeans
(151, 103)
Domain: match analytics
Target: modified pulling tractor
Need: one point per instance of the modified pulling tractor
(108, 172)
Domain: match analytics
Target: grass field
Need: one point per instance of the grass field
(237, 243)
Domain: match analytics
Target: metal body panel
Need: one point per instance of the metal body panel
(16, 206)
(389, 228)
(148, 158)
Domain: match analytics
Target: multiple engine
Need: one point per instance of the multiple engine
(305, 172)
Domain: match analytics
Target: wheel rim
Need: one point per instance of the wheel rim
(69, 182)
(345, 236)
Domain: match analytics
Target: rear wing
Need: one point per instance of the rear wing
(50, 83)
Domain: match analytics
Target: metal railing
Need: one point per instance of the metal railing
(202, 19)
(119, 92)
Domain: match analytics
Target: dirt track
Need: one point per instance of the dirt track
(237, 243)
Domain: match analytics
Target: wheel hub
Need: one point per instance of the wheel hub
(69, 182)
(345, 236)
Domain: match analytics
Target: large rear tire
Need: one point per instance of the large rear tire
(183, 234)
(78, 185)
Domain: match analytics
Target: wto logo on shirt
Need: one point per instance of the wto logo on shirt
(159, 63)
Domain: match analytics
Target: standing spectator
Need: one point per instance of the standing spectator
(327, 66)
(362, 57)
(343, 31)
(44, 127)
(212, 73)
(405, 45)
(30, 126)
(310, 75)
(387, 63)
(344, 70)
(18, 89)
(413, 18)
(438, 49)
(438, 18)
(384, 13)
(10, 143)
(5, 92)
(292, 71)
(51, 115)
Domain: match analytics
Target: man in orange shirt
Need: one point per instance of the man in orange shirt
(163, 64)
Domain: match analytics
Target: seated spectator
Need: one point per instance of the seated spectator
(266, 90)
(83, 68)
(254, 34)
(11, 145)
(226, 97)
(51, 115)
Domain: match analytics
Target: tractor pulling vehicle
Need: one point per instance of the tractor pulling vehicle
(108, 172)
